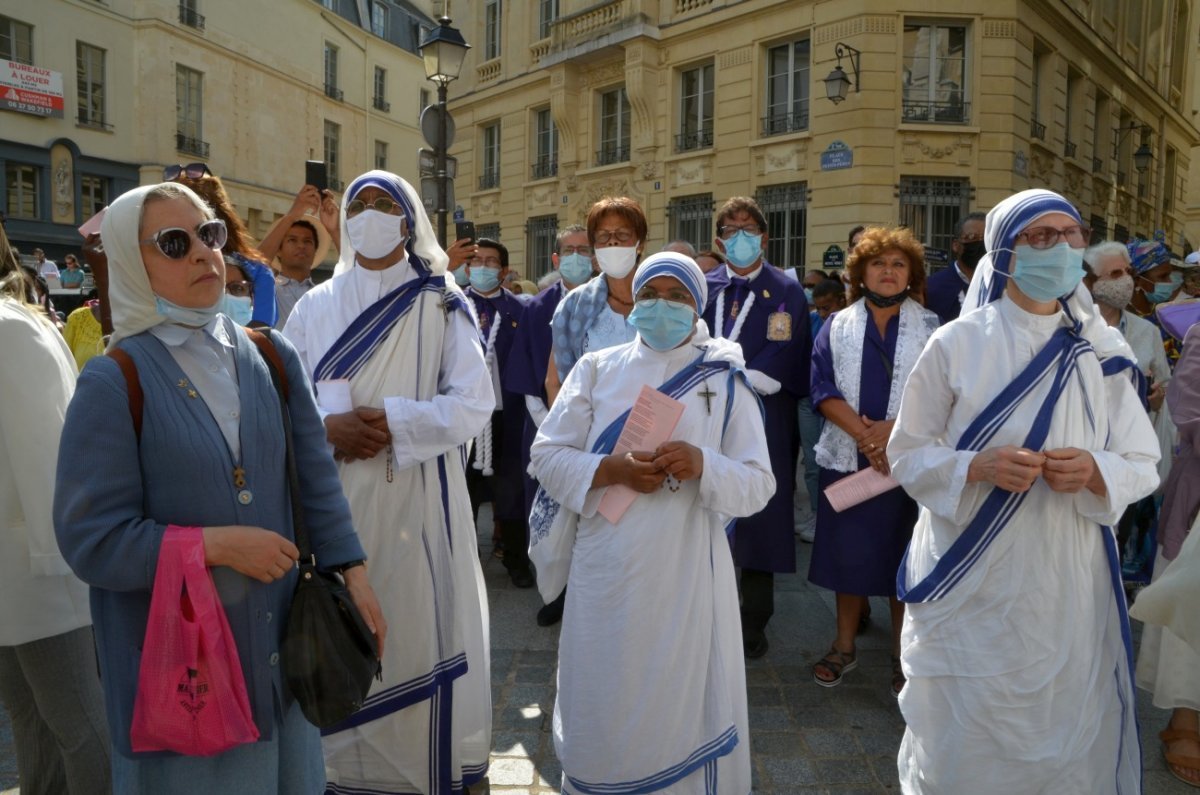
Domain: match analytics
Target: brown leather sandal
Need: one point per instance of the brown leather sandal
(836, 663)
(898, 678)
(1189, 763)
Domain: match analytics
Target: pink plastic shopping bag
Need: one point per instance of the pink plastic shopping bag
(191, 696)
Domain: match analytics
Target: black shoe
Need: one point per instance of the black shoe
(521, 578)
(754, 644)
(552, 613)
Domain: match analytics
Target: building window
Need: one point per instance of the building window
(1099, 228)
(424, 101)
(695, 109)
(380, 99)
(545, 160)
(1121, 233)
(1071, 120)
(787, 88)
(491, 29)
(614, 127)
(786, 209)
(379, 19)
(189, 16)
(691, 220)
(935, 73)
(489, 231)
(93, 192)
(547, 13)
(1179, 46)
(1037, 128)
(1100, 124)
(1170, 180)
(189, 115)
(931, 207)
(22, 183)
(489, 175)
(381, 155)
(331, 72)
(1123, 149)
(16, 41)
(333, 153)
(89, 84)
(541, 233)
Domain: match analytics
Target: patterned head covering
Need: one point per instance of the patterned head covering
(1147, 254)
(677, 266)
(424, 253)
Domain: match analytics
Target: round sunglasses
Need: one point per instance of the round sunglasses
(191, 171)
(175, 242)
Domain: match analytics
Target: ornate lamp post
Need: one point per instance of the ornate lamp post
(443, 50)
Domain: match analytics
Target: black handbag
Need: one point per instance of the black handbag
(329, 654)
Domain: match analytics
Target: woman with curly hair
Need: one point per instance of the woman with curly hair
(861, 358)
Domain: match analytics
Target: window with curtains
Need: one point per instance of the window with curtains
(545, 157)
(614, 127)
(787, 87)
(695, 109)
(934, 73)
(16, 41)
(89, 85)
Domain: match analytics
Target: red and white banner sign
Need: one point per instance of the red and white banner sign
(31, 89)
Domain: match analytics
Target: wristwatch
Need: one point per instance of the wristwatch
(353, 564)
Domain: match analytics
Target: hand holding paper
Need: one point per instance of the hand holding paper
(651, 423)
(858, 488)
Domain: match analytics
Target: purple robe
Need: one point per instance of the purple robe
(766, 540)
(859, 550)
(526, 370)
(1181, 494)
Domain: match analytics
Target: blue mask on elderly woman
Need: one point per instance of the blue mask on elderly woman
(1049, 273)
(662, 324)
(1164, 290)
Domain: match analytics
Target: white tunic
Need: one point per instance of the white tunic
(1017, 676)
(650, 657)
(430, 376)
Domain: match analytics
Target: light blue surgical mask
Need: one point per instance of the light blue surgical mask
(1164, 290)
(483, 279)
(1049, 273)
(183, 315)
(460, 276)
(575, 268)
(808, 295)
(743, 249)
(663, 324)
(238, 308)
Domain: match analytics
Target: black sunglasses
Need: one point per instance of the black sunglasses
(191, 171)
(175, 242)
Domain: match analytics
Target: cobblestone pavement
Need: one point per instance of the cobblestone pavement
(804, 738)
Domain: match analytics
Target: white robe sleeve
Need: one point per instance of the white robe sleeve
(424, 429)
(537, 410)
(737, 479)
(1129, 461)
(296, 331)
(560, 459)
(922, 458)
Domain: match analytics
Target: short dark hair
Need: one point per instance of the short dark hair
(741, 204)
(971, 216)
(487, 242)
(853, 232)
(310, 227)
(821, 273)
(828, 287)
(624, 208)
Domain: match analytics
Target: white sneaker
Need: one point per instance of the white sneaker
(806, 528)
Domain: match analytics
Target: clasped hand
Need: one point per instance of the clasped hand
(872, 442)
(645, 471)
(358, 435)
(1068, 470)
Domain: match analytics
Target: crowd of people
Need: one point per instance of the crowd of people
(987, 447)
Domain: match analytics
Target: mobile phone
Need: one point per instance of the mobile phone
(464, 229)
(316, 174)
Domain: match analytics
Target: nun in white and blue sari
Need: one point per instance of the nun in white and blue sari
(1022, 436)
(651, 680)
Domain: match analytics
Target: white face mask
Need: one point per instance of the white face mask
(617, 261)
(374, 234)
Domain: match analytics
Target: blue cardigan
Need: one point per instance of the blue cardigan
(114, 499)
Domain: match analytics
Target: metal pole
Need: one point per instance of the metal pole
(441, 165)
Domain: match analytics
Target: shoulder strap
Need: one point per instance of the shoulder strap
(133, 385)
(271, 354)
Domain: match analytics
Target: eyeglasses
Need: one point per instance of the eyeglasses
(1042, 237)
(239, 289)
(586, 251)
(676, 295)
(191, 171)
(490, 262)
(730, 230)
(383, 204)
(604, 237)
(176, 243)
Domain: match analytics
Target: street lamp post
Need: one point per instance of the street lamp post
(443, 50)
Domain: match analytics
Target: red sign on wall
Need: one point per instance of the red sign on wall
(31, 89)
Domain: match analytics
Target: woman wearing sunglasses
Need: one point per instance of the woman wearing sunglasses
(210, 454)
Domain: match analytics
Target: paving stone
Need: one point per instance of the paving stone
(535, 674)
(769, 719)
(776, 744)
(787, 773)
(830, 743)
(511, 771)
(852, 770)
(513, 742)
(764, 696)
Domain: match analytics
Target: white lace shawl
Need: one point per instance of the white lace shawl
(836, 449)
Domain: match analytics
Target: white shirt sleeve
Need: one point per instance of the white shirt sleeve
(537, 410)
(560, 458)
(424, 429)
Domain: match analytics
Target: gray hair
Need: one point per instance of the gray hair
(681, 247)
(1109, 248)
(973, 216)
(563, 234)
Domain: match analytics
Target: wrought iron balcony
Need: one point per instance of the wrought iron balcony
(1097, 165)
(382, 104)
(916, 111)
(191, 146)
(696, 139)
(612, 154)
(189, 17)
(333, 92)
(1069, 149)
(544, 168)
(489, 179)
(779, 123)
(1037, 130)
(87, 118)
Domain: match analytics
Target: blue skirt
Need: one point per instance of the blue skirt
(859, 550)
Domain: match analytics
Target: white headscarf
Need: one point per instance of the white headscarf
(424, 253)
(129, 295)
(1004, 223)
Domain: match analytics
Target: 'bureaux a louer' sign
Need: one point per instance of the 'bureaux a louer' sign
(31, 89)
